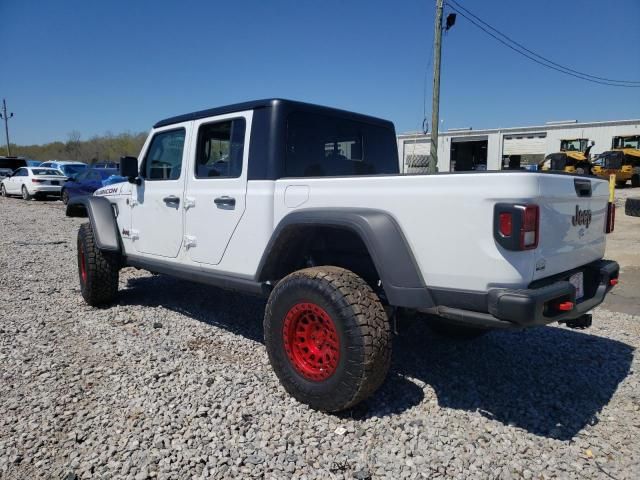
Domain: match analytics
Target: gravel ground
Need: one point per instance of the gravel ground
(174, 382)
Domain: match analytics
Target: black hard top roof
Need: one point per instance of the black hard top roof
(266, 103)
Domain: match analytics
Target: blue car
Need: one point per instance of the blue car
(88, 181)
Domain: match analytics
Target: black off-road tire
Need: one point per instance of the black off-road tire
(444, 328)
(25, 194)
(632, 207)
(97, 270)
(361, 325)
(635, 180)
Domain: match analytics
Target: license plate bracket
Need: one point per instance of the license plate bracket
(577, 280)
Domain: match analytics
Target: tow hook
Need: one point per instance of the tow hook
(582, 322)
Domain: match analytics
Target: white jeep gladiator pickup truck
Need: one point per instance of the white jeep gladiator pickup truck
(305, 204)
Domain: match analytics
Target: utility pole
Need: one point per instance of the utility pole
(435, 106)
(6, 118)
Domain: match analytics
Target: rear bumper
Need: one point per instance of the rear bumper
(51, 189)
(538, 305)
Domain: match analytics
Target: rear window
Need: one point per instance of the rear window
(45, 171)
(73, 169)
(323, 145)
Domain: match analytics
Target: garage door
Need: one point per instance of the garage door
(530, 144)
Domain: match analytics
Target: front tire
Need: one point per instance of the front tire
(97, 270)
(65, 197)
(328, 337)
(25, 194)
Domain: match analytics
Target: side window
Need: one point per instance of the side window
(22, 173)
(163, 160)
(320, 145)
(220, 148)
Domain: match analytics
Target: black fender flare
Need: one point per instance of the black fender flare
(103, 223)
(382, 236)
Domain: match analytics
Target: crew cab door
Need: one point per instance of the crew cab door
(157, 213)
(216, 184)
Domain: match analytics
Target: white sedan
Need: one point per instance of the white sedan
(29, 182)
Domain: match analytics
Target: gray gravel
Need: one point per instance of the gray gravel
(174, 382)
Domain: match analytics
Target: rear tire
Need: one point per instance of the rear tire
(328, 337)
(3, 191)
(97, 270)
(635, 180)
(25, 194)
(447, 329)
(632, 207)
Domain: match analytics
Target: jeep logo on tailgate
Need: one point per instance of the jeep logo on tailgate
(582, 217)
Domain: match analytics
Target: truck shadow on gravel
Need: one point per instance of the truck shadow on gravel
(551, 382)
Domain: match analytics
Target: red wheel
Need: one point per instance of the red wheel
(311, 341)
(327, 336)
(82, 264)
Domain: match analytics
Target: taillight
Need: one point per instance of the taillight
(611, 217)
(529, 230)
(506, 224)
(37, 180)
(516, 227)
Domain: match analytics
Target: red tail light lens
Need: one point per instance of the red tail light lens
(529, 230)
(36, 180)
(506, 224)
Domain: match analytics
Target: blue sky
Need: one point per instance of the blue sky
(122, 65)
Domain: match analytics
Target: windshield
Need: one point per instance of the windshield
(575, 145)
(632, 141)
(610, 160)
(45, 171)
(70, 170)
(106, 172)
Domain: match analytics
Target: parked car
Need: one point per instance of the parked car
(305, 205)
(68, 168)
(8, 165)
(87, 182)
(33, 163)
(30, 182)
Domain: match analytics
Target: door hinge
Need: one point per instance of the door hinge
(134, 234)
(131, 202)
(189, 202)
(189, 241)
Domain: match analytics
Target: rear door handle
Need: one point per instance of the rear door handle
(171, 201)
(226, 203)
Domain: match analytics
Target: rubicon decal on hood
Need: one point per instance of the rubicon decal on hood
(107, 191)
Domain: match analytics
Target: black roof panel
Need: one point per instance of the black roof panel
(264, 103)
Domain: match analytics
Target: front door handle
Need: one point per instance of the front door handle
(171, 201)
(226, 203)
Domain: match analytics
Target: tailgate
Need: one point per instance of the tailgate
(573, 213)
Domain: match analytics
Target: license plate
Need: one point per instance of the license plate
(55, 182)
(577, 280)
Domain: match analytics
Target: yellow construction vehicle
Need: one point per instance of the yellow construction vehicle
(623, 161)
(573, 157)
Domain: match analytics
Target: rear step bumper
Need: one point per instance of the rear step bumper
(539, 305)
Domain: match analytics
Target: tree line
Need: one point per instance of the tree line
(107, 147)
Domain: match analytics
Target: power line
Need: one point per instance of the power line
(532, 55)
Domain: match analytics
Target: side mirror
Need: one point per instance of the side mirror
(129, 168)
(593, 143)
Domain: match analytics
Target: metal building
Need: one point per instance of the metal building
(501, 148)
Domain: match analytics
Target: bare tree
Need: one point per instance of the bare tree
(73, 144)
